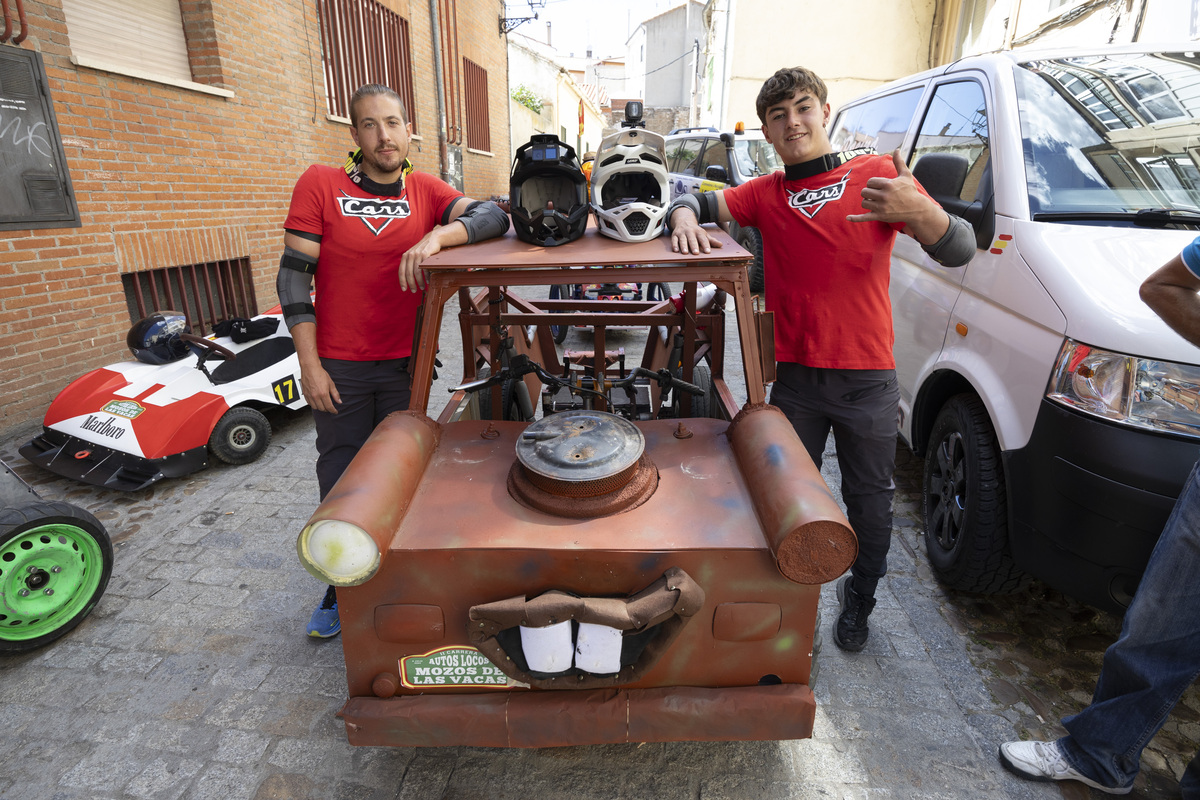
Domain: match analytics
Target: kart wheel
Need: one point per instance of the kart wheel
(563, 292)
(703, 405)
(658, 291)
(751, 239)
(55, 561)
(964, 503)
(241, 436)
(508, 399)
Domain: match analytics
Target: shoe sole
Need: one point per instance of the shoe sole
(850, 648)
(317, 635)
(1009, 765)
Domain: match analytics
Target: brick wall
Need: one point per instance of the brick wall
(165, 175)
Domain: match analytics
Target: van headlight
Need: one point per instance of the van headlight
(337, 552)
(1143, 393)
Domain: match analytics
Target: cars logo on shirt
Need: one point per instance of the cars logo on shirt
(809, 201)
(375, 212)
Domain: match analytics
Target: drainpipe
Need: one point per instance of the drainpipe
(438, 85)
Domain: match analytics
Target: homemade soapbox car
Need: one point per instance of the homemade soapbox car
(575, 549)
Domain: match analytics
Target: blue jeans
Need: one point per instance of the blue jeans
(1156, 658)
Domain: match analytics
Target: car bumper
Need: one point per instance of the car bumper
(600, 716)
(1088, 500)
(98, 465)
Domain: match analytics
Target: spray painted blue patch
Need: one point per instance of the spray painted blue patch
(774, 455)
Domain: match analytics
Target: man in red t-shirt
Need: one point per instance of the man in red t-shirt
(363, 232)
(828, 222)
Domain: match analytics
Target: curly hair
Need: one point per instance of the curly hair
(786, 82)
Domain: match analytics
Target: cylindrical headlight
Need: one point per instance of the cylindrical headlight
(338, 553)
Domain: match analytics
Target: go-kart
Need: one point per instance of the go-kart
(55, 561)
(131, 424)
(634, 558)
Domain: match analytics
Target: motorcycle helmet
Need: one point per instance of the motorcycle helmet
(630, 192)
(155, 339)
(547, 193)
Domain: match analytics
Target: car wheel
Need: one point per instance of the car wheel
(964, 502)
(55, 561)
(563, 292)
(241, 435)
(751, 239)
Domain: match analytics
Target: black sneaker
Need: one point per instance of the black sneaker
(850, 631)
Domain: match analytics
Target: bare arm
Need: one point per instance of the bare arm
(687, 235)
(1171, 293)
(486, 220)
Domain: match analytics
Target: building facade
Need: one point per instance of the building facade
(149, 149)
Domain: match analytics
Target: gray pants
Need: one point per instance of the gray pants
(860, 407)
(370, 390)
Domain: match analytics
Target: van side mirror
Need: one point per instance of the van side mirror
(943, 176)
(715, 172)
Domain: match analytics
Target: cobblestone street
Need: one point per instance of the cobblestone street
(192, 679)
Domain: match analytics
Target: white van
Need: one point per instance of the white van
(1057, 414)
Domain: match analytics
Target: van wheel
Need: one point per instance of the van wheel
(751, 239)
(964, 502)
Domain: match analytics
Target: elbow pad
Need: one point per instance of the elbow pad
(294, 284)
(483, 219)
(703, 205)
(957, 245)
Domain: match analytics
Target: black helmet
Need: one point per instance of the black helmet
(155, 339)
(547, 193)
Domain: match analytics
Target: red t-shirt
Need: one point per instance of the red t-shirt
(826, 277)
(362, 313)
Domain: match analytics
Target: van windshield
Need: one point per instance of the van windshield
(755, 157)
(1107, 136)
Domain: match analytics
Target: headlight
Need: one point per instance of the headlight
(1157, 395)
(337, 552)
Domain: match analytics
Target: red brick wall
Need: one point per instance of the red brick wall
(166, 175)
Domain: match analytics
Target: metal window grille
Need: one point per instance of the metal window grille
(363, 42)
(205, 293)
(479, 129)
(448, 24)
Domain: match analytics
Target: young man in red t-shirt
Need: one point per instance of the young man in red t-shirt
(828, 222)
(363, 232)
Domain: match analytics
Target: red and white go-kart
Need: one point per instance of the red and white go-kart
(129, 425)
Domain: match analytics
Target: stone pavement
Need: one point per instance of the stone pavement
(193, 679)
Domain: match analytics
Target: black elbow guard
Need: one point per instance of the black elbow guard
(957, 245)
(483, 219)
(703, 205)
(293, 284)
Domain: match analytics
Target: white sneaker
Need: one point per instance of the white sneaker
(1043, 761)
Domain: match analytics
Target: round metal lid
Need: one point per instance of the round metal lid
(580, 446)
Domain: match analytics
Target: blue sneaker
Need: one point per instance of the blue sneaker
(325, 623)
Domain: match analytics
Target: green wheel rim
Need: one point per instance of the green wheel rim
(48, 575)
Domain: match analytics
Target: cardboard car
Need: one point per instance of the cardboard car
(576, 549)
(131, 424)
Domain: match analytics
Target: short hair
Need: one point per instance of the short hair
(786, 82)
(371, 90)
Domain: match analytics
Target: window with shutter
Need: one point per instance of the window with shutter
(35, 187)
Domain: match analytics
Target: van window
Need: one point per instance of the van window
(956, 123)
(880, 122)
(1107, 136)
(682, 155)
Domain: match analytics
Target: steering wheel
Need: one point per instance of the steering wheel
(208, 344)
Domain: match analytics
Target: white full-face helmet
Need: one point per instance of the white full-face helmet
(630, 192)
